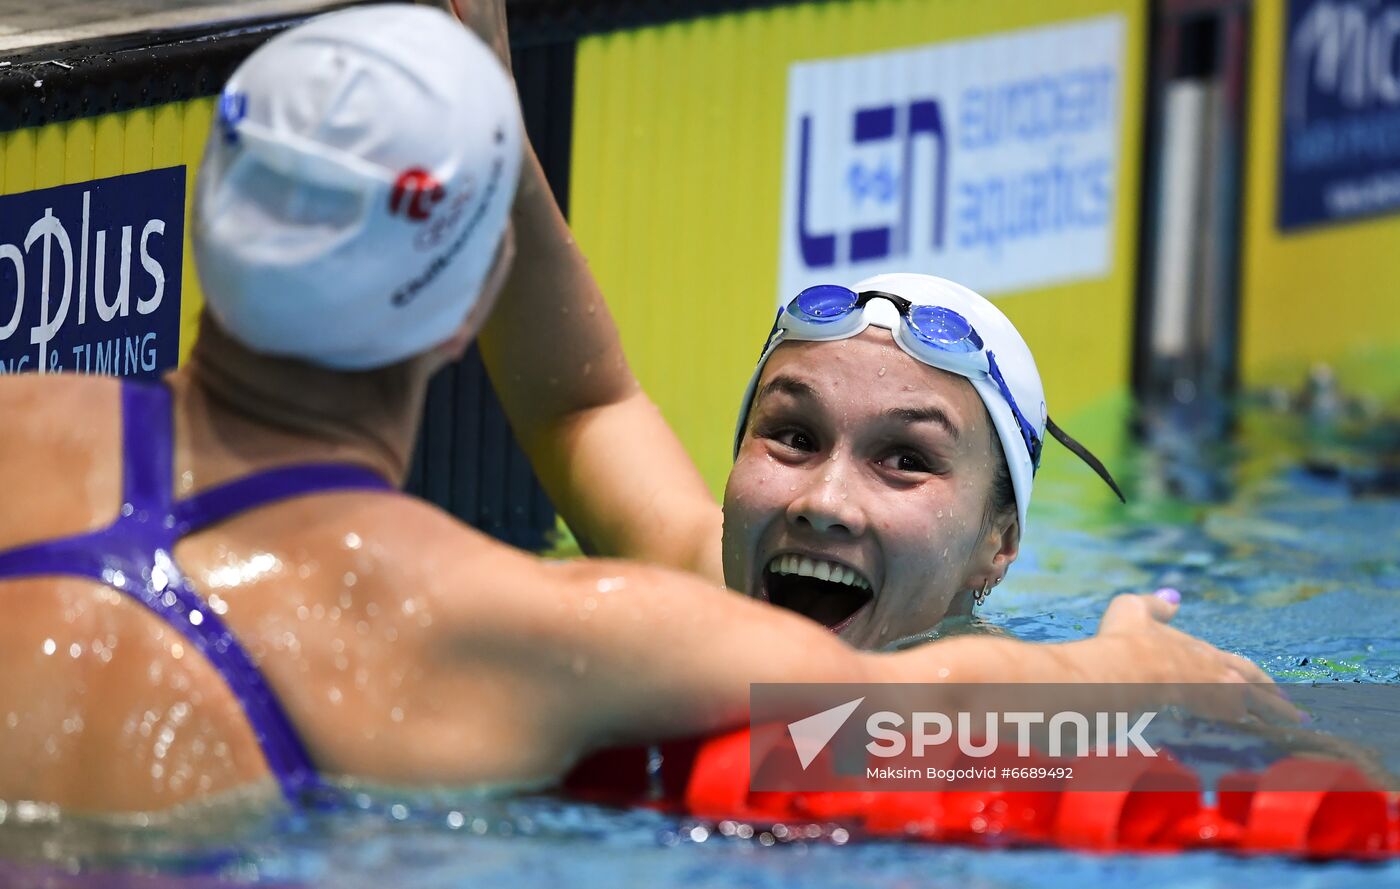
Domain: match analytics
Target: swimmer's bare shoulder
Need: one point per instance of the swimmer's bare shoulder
(333, 596)
(405, 645)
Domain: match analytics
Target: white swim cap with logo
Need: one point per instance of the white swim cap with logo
(356, 187)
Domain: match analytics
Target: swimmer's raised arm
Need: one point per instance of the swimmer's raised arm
(611, 464)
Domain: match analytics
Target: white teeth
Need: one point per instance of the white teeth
(803, 566)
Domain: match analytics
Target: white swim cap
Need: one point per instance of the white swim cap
(356, 187)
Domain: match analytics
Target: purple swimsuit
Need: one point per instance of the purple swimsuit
(135, 555)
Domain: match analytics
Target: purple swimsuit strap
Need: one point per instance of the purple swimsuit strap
(214, 505)
(134, 554)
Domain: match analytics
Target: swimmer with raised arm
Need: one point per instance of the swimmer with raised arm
(214, 582)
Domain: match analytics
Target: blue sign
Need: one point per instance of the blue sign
(90, 276)
(1341, 115)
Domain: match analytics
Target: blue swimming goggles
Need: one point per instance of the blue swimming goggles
(935, 335)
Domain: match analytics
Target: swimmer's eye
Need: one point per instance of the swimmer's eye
(796, 439)
(907, 461)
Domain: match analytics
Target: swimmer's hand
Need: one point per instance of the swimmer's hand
(1135, 644)
(1238, 691)
(488, 19)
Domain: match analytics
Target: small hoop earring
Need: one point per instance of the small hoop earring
(980, 596)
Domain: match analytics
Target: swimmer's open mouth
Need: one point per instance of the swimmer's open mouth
(826, 592)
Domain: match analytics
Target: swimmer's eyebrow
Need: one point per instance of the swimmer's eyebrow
(924, 415)
(790, 386)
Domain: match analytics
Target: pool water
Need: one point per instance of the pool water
(1285, 545)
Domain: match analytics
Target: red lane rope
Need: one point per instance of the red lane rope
(1161, 809)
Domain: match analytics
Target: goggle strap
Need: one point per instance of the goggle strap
(1082, 453)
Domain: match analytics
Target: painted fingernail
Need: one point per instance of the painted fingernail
(1168, 595)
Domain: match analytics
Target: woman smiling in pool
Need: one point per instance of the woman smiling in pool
(884, 457)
